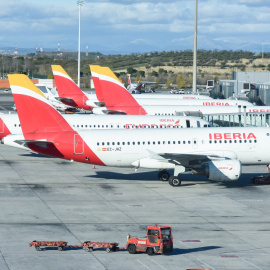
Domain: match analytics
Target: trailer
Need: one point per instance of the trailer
(38, 244)
(89, 246)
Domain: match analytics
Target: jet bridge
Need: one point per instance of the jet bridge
(248, 119)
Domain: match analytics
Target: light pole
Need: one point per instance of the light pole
(194, 83)
(79, 3)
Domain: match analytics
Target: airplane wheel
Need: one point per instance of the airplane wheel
(163, 175)
(174, 181)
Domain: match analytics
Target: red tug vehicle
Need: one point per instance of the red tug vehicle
(158, 240)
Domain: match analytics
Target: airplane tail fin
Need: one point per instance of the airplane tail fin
(34, 111)
(139, 87)
(129, 80)
(95, 76)
(69, 93)
(115, 95)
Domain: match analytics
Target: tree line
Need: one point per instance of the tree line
(153, 66)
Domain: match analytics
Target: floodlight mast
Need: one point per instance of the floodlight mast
(79, 3)
(194, 83)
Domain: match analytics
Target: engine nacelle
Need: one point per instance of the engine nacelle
(221, 170)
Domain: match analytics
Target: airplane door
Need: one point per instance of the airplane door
(78, 145)
(1, 126)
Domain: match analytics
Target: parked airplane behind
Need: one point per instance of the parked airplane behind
(10, 124)
(70, 94)
(121, 102)
(218, 153)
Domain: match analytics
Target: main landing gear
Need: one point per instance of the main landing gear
(174, 180)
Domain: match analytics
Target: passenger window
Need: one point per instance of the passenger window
(133, 143)
(103, 143)
(108, 143)
(138, 143)
(113, 143)
(118, 143)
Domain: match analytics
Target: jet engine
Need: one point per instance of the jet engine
(220, 170)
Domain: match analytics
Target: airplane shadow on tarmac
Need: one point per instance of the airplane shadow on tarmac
(187, 179)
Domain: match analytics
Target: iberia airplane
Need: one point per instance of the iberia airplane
(218, 153)
(70, 94)
(10, 123)
(119, 101)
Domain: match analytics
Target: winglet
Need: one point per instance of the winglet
(34, 111)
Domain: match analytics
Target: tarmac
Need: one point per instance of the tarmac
(216, 225)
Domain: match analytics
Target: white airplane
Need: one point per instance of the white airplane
(133, 88)
(112, 87)
(10, 123)
(71, 95)
(218, 153)
(119, 101)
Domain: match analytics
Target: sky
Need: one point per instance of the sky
(133, 26)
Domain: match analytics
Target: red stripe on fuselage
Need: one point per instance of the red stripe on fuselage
(68, 89)
(4, 131)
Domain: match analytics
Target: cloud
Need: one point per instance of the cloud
(114, 23)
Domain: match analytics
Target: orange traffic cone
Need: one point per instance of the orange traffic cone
(94, 166)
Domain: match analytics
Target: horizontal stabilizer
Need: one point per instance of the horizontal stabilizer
(112, 112)
(40, 143)
(100, 104)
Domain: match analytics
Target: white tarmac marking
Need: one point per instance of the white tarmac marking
(252, 264)
(143, 264)
(158, 264)
(206, 264)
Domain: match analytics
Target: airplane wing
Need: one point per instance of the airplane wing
(189, 160)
